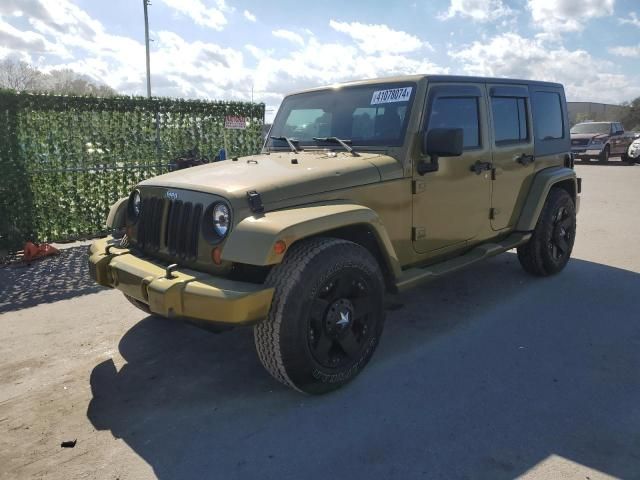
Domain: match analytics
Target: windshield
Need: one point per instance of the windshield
(372, 115)
(591, 128)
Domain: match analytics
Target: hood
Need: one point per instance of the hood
(276, 176)
(589, 136)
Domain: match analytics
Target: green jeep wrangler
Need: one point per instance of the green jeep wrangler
(361, 189)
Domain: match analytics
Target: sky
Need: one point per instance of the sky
(243, 49)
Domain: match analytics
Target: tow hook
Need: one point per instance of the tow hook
(169, 271)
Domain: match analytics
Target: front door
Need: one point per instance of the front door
(451, 205)
(513, 159)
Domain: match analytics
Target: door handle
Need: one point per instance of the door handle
(480, 167)
(525, 159)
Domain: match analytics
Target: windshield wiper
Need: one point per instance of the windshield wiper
(340, 141)
(290, 142)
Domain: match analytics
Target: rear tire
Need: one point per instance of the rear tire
(550, 246)
(326, 317)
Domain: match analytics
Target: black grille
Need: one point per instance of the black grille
(580, 141)
(150, 223)
(181, 228)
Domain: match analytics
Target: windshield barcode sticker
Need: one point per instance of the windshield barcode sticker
(392, 95)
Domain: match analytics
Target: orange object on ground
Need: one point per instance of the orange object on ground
(33, 251)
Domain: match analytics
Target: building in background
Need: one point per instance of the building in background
(598, 112)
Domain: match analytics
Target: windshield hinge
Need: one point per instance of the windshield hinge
(255, 202)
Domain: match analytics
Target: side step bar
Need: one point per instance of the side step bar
(415, 276)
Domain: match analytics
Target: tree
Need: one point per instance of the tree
(68, 82)
(20, 76)
(631, 120)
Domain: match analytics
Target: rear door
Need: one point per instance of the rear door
(513, 159)
(617, 141)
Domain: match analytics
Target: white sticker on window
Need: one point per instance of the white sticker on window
(392, 95)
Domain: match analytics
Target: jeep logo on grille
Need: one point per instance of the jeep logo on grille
(171, 195)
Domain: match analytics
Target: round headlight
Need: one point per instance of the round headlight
(221, 219)
(135, 204)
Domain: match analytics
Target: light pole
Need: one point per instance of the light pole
(145, 4)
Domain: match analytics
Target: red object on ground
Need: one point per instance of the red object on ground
(33, 251)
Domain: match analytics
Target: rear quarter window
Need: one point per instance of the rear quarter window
(548, 116)
(550, 122)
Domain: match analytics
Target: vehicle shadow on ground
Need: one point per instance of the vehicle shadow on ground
(484, 374)
(46, 280)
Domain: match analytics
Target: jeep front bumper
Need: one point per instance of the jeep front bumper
(187, 294)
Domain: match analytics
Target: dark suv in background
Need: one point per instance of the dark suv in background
(599, 140)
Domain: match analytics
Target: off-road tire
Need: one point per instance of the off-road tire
(604, 155)
(537, 255)
(282, 339)
(138, 304)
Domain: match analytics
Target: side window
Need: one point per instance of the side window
(509, 119)
(457, 112)
(547, 116)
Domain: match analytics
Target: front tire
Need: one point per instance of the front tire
(550, 246)
(604, 155)
(326, 317)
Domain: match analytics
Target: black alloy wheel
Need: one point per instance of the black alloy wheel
(340, 320)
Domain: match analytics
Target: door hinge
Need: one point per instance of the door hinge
(419, 233)
(492, 213)
(493, 173)
(418, 186)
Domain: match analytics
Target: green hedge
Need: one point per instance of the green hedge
(65, 160)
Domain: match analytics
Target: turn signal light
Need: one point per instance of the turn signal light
(279, 247)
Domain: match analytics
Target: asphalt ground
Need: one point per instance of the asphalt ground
(489, 373)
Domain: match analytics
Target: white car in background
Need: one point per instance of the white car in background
(634, 151)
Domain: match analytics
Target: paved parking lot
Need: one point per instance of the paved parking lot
(487, 374)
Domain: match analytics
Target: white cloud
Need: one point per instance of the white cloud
(201, 14)
(379, 38)
(27, 41)
(567, 15)
(632, 20)
(510, 55)
(626, 51)
(477, 10)
(288, 35)
(249, 16)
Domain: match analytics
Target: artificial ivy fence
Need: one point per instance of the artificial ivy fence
(65, 160)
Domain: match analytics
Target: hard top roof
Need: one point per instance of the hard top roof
(432, 78)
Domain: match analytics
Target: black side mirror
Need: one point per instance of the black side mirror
(440, 142)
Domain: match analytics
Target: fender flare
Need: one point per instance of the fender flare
(252, 240)
(540, 187)
(117, 214)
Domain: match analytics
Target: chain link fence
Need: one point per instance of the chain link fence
(65, 160)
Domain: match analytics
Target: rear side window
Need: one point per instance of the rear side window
(457, 112)
(509, 119)
(548, 116)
